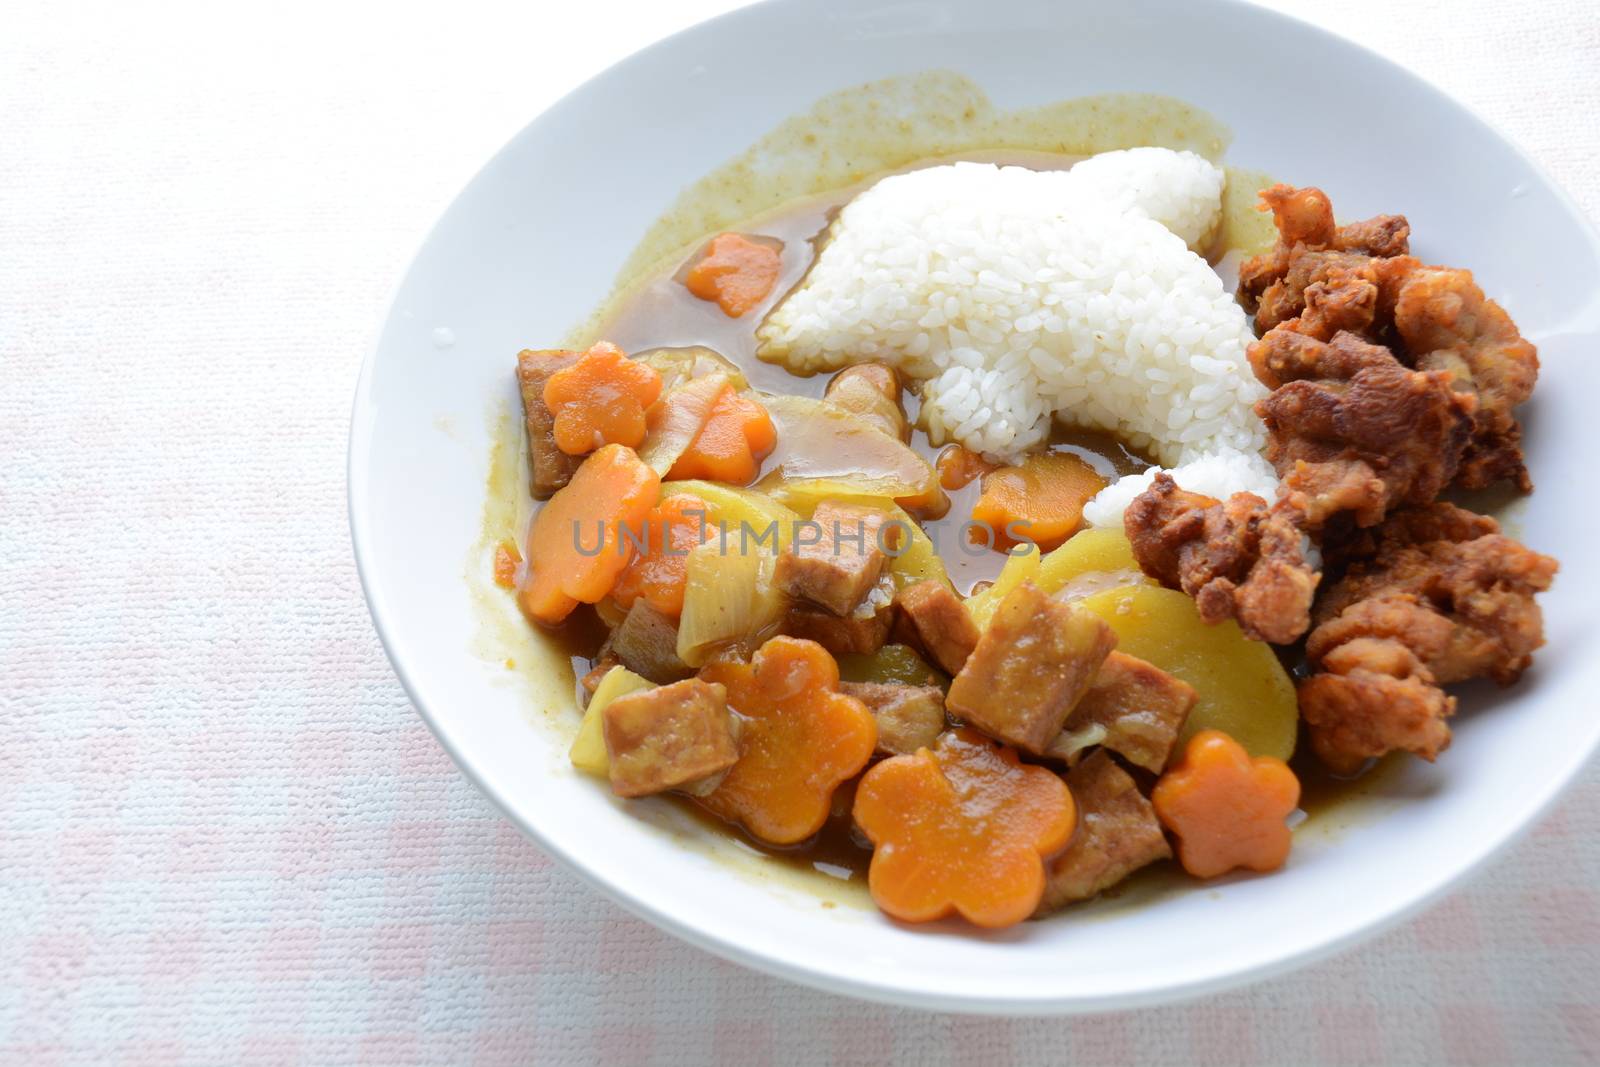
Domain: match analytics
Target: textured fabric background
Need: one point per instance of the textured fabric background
(224, 835)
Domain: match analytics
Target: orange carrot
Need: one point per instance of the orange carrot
(601, 400)
(801, 739)
(575, 548)
(506, 561)
(958, 467)
(736, 272)
(729, 448)
(1226, 808)
(965, 828)
(678, 524)
(1044, 498)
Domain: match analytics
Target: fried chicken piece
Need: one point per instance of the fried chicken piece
(1447, 324)
(1351, 430)
(1376, 698)
(1286, 356)
(1239, 559)
(1454, 564)
(1319, 263)
(1435, 595)
(1321, 278)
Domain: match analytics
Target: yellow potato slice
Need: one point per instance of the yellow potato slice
(1243, 689)
(588, 752)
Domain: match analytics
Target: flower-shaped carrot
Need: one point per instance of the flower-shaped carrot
(801, 739)
(601, 400)
(677, 525)
(964, 828)
(575, 546)
(1226, 808)
(736, 272)
(729, 448)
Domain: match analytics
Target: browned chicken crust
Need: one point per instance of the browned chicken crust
(1350, 430)
(1449, 326)
(1435, 595)
(1321, 280)
(1239, 559)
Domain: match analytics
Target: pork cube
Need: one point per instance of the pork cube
(1134, 708)
(940, 623)
(591, 681)
(835, 560)
(549, 468)
(646, 642)
(678, 736)
(909, 716)
(1117, 834)
(1033, 663)
(854, 634)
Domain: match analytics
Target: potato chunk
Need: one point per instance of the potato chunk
(678, 736)
(1242, 688)
(1035, 661)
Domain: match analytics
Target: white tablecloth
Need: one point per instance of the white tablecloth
(224, 835)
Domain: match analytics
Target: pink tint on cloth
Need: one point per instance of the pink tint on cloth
(225, 836)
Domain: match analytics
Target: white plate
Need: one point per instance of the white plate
(532, 245)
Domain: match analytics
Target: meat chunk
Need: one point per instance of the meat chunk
(872, 392)
(549, 468)
(1376, 697)
(909, 716)
(1333, 263)
(646, 642)
(1449, 326)
(678, 736)
(591, 680)
(1134, 708)
(1384, 438)
(1032, 665)
(938, 622)
(1239, 559)
(862, 632)
(1451, 587)
(1118, 833)
(1320, 279)
(1435, 595)
(835, 560)
(1283, 356)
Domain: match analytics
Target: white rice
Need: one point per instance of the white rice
(1017, 295)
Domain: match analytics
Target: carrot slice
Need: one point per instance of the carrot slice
(959, 467)
(965, 828)
(1226, 808)
(677, 525)
(1040, 501)
(601, 400)
(575, 547)
(801, 739)
(729, 448)
(506, 561)
(736, 272)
